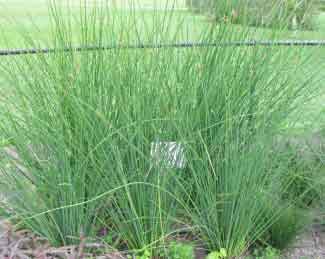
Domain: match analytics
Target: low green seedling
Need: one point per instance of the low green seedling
(222, 253)
(181, 251)
(267, 253)
(109, 238)
(145, 255)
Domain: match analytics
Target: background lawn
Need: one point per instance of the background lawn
(32, 18)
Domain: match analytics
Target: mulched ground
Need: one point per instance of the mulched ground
(24, 245)
(308, 245)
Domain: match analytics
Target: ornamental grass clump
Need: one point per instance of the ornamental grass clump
(242, 98)
(81, 127)
(84, 125)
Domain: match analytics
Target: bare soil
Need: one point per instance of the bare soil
(308, 245)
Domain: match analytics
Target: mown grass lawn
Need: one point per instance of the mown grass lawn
(32, 18)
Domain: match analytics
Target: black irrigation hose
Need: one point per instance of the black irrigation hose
(310, 43)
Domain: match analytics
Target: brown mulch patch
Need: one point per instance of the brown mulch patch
(308, 245)
(25, 245)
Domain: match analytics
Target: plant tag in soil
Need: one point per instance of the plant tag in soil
(171, 154)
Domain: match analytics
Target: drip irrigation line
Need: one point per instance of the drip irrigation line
(289, 43)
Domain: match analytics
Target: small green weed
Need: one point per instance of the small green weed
(145, 255)
(267, 253)
(222, 253)
(180, 251)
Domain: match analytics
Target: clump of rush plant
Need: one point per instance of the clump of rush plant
(241, 99)
(54, 121)
(84, 123)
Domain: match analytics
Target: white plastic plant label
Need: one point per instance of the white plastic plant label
(171, 154)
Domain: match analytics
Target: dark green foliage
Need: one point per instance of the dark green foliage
(287, 226)
(292, 14)
(265, 253)
(303, 180)
(177, 250)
